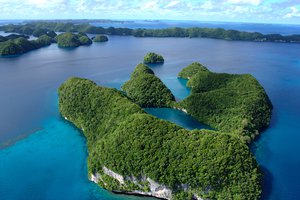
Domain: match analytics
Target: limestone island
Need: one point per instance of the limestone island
(232, 103)
(67, 40)
(100, 38)
(153, 58)
(133, 152)
(145, 89)
(20, 45)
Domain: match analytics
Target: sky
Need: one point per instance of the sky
(259, 11)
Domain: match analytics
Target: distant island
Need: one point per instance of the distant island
(18, 44)
(132, 152)
(68, 39)
(38, 28)
(100, 38)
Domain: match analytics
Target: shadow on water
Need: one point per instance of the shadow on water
(158, 65)
(266, 183)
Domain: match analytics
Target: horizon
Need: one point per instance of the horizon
(236, 11)
(150, 20)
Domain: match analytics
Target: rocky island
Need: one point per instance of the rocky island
(21, 45)
(153, 58)
(100, 38)
(145, 89)
(41, 27)
(133, 152)
(230, 103)
(67, 40)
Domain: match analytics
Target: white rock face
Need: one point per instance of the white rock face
(113, 174)
(197, 197)
(95, 177)
(156, 189)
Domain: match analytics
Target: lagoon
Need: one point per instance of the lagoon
(44, 157)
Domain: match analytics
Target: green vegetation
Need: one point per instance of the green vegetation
(100, 38)
(39, 32)
(52, 34)
(44, 40)
(217, 33)
(126, 140)
(66, 40)
(231, 103)
(153, 58)
(10, 48)
(145, 89)
(22, 45)
(85, 40)
(191, 70)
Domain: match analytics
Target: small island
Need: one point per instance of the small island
(21, 45)
(145, 89)
(100, 38)
(153, 58)
(67, 40)
(191, 70)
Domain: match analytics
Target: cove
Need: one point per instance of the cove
(178, 117)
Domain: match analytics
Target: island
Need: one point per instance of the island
(132, 152)
(40, 27)
(67, 40)
(21, 45)
(153, 58)
(232, 103)
(145, 89)
(100, 38)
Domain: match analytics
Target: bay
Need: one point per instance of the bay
(44, 157)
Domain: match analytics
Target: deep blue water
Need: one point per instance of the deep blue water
(44, 157)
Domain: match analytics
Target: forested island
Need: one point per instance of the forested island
(145, 89)
(133, 152)
(100, 38)
(68, 39)
(40, 27)
(18, 44)
(153, 58)
(231, 103)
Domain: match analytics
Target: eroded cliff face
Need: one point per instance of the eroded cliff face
(155, 189)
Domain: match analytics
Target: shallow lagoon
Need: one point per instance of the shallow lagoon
(51, 162)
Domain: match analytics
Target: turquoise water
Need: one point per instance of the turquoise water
(50, 164)
(43, 157)
(178, 117)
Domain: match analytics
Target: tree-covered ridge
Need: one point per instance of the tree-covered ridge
(196, 32)
(191, 70)
(153, 58)
(100, 38)
(21, 45)
(145, 89)
(230, 103)
(126, 140)
(68, 39)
